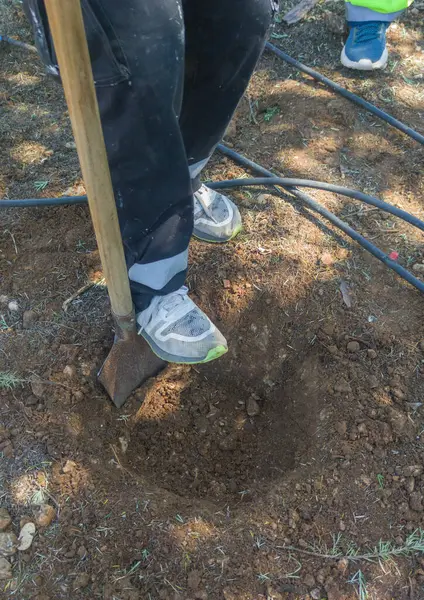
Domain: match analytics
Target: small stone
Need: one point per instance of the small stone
(328, 329)
(81, 581)
(5, 519)
(69, 467)
(28, 319)
(333, 349)
(13, 306)
(201, 595)
(353, 347)
(5, 569)
(373, 382)
(8, 543)
(362, 428)
(226, 283)
(4, 299)
(37, 388)
(8, 451)
(397, 393)
(44, 515)
(326, 259)
(372, 354)
(71, 145)
(342, 386)
(341, 427)
(342, 526)
(309, 580)
(31, 401)
(263, 199)
(26, 536)
(416, 501)
(193, 580)
(398, 420)
(418, 268)
(70, 371)
(82, 552)
(321, 576)
(316, 594)
(421, 345)
(410, 484)
(252, 407)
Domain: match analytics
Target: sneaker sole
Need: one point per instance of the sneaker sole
(365, 64)
(213, 240)
(182, 360)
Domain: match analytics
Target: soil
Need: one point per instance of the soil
(249, 478)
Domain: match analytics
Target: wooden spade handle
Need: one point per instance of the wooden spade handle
(67, 27)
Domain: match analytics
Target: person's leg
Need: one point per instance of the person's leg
(368, 21)
(137, 54)
(145, 148)
(151, 178)
(223, 43)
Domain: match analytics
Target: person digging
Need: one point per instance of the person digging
(169, 75)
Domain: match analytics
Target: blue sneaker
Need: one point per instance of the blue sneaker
(365, 48)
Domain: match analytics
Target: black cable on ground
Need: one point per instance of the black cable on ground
(9, 40)
(316, 207)
(283, 182)
(349, 95)
(288, 184)
(329, 187)
(31, 202)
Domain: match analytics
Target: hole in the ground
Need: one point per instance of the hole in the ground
(201, 443)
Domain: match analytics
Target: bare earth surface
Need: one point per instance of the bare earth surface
(253, 477)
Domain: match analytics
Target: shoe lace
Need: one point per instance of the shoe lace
(175, 302)
(367, 32)
(199, 196)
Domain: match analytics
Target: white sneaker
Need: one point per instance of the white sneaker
(178, 331)
(216, 217)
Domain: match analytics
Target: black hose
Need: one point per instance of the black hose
(349, 95)
(284, 182)
(313, 205)
(290, 183)
(31, 202)
(9, 40)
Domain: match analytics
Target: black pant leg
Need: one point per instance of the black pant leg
(224, 40)
(137, 55)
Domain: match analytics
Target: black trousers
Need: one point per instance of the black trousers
(169, 75)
